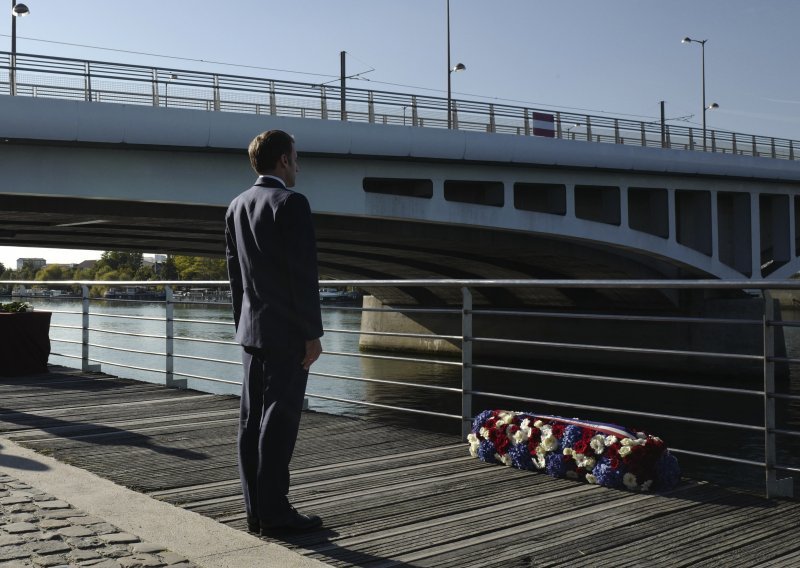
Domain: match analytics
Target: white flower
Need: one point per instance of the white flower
(591, 478)
(630, 481)
(626, 442)
(641, 435)
(546, 430)
(610, 440)
(540, 450)
(505, 460)
(507, 417)
(500, 423)
(624, 451)
(472, 438)
(646, 485)
(568, 451)
(549, 443)
(589, 463)
(538, 423)
(484, 433)
(520, 436)
(597, 443)
(526, 424)
(539, 462)
(473, 450)
(578, 458)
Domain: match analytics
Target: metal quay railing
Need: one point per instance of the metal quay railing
(100, 81)
(773, 439)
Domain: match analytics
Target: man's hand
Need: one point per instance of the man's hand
(313, 351)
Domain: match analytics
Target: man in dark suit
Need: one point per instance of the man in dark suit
(272, 266)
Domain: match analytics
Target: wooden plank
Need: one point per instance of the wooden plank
(389, 496)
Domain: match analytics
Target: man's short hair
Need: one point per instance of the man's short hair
(267, 148)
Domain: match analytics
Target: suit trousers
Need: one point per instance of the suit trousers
(272, 398)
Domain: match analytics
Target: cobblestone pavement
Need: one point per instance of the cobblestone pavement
(39, 530)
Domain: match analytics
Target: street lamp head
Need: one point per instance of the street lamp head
(686, 40)
(20, 10)
(459, 67)
(712, 106)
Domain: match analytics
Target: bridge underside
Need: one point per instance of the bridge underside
(350, 248)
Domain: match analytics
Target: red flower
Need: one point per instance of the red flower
(614, 461)
(557, 430)
(581, 446)
(501, 444)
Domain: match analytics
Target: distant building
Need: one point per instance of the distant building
(86, 264)
(35, 263)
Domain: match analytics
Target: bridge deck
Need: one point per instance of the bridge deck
(388, 496)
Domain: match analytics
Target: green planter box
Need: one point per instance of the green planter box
(24, 343)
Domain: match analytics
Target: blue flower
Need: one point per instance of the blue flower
(606, 475)
(520, 456)
(668, 473)
(555, 465)
(480, 419)
(571, 435)
(486, 451)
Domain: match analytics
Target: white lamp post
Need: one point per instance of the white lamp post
(450, 70)
(17, 11)
(702, 43)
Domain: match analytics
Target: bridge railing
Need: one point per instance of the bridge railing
(731, 407)
(86, 80)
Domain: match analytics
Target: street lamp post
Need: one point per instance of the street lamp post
(458, 67)
(702, 43)
(17, 11)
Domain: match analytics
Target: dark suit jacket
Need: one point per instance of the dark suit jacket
(272, 266)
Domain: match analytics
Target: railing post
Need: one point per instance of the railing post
(492, 125)
(414, 115)
(371, 107)
(644, 136)
(616, 131)
(88, 80)
(691, 138)
(466, 362)
(84, 327)
(323, 103)
(154, 82)
(791, 150)
(755, 150)
(774, 487)
(273, 104)
(528, 125)
(588, 129)
(772, 143)
(169, 347)
(216, 92)
(713, 140)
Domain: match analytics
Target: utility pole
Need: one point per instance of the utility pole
(342, 77)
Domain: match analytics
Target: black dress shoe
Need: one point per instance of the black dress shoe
(293, 521)
(253, 525)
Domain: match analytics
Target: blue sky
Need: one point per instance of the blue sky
(614, 56)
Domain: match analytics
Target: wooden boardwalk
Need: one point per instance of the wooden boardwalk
(388, 496)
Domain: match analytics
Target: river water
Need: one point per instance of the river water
(342, 358)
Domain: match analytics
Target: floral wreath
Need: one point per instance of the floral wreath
(598, 453)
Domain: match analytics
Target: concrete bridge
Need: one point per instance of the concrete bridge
(395, 201)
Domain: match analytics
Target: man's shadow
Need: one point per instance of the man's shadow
(18, 463)
(102, 435)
